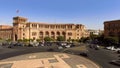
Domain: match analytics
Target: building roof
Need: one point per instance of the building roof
(112, 21)
(19, 17)
(44, 23)
(5, 27)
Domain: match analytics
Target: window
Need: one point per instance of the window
(23, 34)
(46, 26)
(34, 38)
(41, 33)
(69, 33)
(28, 25)
(34, 25)
(34, 33)
(69, 26)
(58, 33)
(77, 26)
(69, 37)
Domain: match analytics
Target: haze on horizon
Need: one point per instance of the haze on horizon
(91, 13)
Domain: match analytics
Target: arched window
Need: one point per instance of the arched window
(47, 33)
(52, 33)
(58, 33)
(63, 33)
(41, 33)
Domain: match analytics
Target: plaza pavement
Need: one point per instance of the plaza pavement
(47, 60)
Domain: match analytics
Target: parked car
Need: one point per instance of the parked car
(68, 46)
(96, 47)
(60, 47)
(110, 47)
(115, 62)
(118, 51)
(19, 44)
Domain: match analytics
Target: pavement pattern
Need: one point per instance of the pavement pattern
(47, 60)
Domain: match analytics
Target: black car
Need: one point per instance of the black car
(118, 51)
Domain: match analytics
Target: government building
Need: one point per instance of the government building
(112, 28)
(22, 29)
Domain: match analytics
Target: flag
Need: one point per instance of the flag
(17, 11)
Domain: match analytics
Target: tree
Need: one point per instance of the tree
(93, 36)
(38, 40)
(60, 38)
(0, 38)
(84, 39)
(31, 40)
(47, 39)
(9, 40)
(25, 40)
(69, 40)
(110, 40)
(19, 40)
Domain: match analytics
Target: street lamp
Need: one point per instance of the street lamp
(29, 33)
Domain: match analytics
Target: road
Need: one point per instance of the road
(73, 61)
(103, 57)
(10, 52)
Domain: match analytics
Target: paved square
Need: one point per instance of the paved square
(57, 61)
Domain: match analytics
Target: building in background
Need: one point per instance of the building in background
(95, 32)
(6, 32)
(22, 29)
(112, 28)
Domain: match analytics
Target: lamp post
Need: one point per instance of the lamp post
(29, 33)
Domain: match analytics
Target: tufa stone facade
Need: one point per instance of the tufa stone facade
(22, 29)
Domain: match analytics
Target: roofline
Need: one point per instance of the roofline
(111, 21)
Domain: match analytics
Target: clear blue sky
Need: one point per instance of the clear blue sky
(91, 13)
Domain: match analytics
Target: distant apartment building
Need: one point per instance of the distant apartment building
(112, 28)
(22, 29)
(95, 32)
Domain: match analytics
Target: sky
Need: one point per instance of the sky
(91, 13)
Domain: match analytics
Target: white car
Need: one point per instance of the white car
(110, 47)
(60, 47)
(67, 46)
(116, 49)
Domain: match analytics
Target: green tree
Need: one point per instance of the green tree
(60, 38)
(111, 40)
(47, 39)
(84, 39)
(9, 40)
(25, 40)
(31, 40)
(19, 40)
(38, 40)
(0, 38)
(93, 36)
